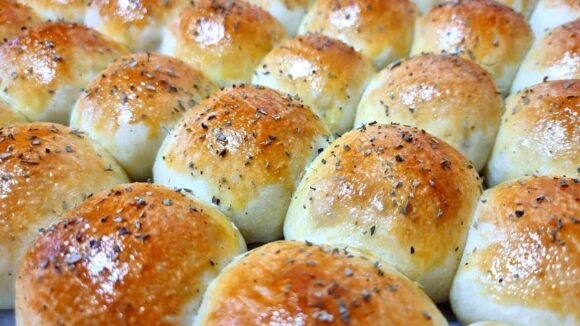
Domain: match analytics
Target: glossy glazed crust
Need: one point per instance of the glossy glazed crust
(8, 117)
(395, 191)
(539, 133)
(553, 57)
(132, 254)
(45, 66)
(296, 283)
(45, 169)
(452, 98)
(14, 18)
(263, 137)
(380, 29)
(225, 39)
(137, 24)
(523, 252)
(54, 10)
(328, 75)
(148, 91)
(489, 33)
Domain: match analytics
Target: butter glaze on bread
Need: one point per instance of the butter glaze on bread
(134, 103)
(45, 170)
(15, 18)
(45, 69)
(382, 30)
(395, 191)
(293, 283)
(131, 255)
(450, 97)
(244, 150)
(521, 262)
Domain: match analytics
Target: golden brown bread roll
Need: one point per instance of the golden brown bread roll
(225, 39)
(489, 33)
(556, 55)
(382, 30)
(45, 69)
(138, 24)
(15, 18)
(8, 117)
(552, 13)
(134, 103)
(243, 150)
(288, 12)
(521, 261)
(292, 283)
(57, 10)
(45, 169)
(132, 255)
(452, 98)
(393, 190)
(328, 75)
(539, 133)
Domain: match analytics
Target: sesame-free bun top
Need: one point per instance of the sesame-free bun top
(328, 75)
(134, 103)
(44, 69)
(138, 25)
(295, 283)
(521, 260)
(59, 10)
(556, 55)
(452, 98)
(393, 190)
(131, 255)
(382, 30)
(243, 150)
(552, 13)
(491, 34)
(15, 18)
(45, 169)
(288, 12)
(225, 39)
(8, 117)
(539, 133)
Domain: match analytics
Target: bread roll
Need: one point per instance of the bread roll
(380, 29)
(45, 169)
(450, 97)
(288, 12)
(554, 56)
(44, 69)
(224, 39)
(243, 150)
(521, 261)
(15, 18)
(292, 283)
(524, 7)
(8, 117)
(552, 13)
(58, 10)
(491, 34)
(138, 24)
(395, 191)
(133, 104)
(539, 133)
(328, 75)
(133, 255)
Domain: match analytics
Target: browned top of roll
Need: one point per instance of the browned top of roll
(15, 18)
(560, 45)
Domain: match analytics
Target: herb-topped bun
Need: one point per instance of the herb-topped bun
(293, 283)
(382, 30)
(244, 150)
(133, 104)
(135, 254)
(45, 69)
(45, 169)
(450, 97)
(554, 56)
(491, 34)
(539, 133)
(395, 191)
(8, 117)
(224, 39)
(552, 13)
(288, 12)
(520, 265)
(59, 10)
(328, 75)
(15, 18)
(138, 24)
